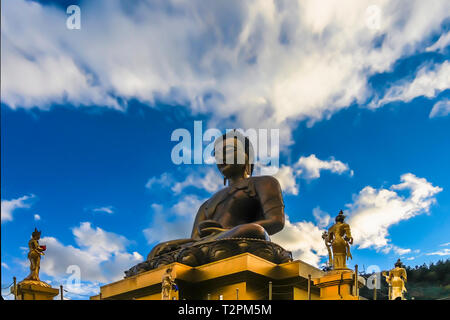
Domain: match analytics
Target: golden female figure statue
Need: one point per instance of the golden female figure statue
(34, 255)
(167, 284)
(339, 239)
(396, 280)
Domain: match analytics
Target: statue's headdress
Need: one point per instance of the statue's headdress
(36, 233)
(242, 144)
(398, 263)
(340, 217)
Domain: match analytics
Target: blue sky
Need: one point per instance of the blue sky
(359, 92)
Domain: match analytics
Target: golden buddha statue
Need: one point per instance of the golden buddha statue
(396, 281)
(338, 240)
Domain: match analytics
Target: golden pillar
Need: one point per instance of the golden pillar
(35, 290)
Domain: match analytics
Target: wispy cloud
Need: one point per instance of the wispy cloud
(429, 81)
(444, 252)
(9, 206)
(310, 167)
(208, 179)
(440, 109)
(107, 209)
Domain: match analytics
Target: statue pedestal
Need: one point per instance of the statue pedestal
(338, 285)
(240, 277)
(35, 290)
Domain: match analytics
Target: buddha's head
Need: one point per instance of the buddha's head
(398, 264)
(340, 217)
(36, 234)
(234, 155)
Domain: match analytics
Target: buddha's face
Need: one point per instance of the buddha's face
(232, 162)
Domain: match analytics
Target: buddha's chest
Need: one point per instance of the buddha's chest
(234, 207)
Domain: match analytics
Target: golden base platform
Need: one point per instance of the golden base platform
(339, 285)
(241, 277)
(35, 290)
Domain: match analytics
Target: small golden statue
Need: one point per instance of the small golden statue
(396, 281)
(34, 255)
(168, 283)
(338, 239)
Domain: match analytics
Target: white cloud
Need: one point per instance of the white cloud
(101, 255)
(173, 222)
(397, 250)
(108, 209)
(370, 216)
(209, 180)
(9, 206)
(445, 244)
(37, 217)
(429, 81)
(444, 252)
(440, 109)
(285, 175)
(323, 219)
(165, 180)
(374, 211)
(304, 239)
(305, 167)
(441, 43)
(311, 166)
(81, 291)
(206, 179)
(4, 265)
(264, 62)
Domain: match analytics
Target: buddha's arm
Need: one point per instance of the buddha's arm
(201, 216)
(348, 234)
(34, 246)
(268, 191)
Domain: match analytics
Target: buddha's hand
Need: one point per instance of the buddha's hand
(208, 227)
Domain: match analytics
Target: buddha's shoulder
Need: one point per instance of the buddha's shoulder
(264, 180)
